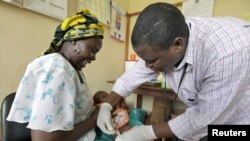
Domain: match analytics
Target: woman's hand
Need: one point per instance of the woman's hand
(95, 114)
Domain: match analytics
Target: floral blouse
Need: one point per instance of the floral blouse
(51, 96)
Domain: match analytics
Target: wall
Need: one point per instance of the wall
(123, 3)
(25, 34)
(138, 5)
(235, 8)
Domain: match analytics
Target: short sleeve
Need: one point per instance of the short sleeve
(45, 97)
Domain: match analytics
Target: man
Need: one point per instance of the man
(205, 60)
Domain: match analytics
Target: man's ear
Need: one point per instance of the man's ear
(179, 44)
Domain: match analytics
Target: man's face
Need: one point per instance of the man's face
(158, 59)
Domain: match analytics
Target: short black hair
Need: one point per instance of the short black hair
(158, 25)
(96, 97)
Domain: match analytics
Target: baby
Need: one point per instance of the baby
(120, 116)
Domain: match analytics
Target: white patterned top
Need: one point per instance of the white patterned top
(51, 97)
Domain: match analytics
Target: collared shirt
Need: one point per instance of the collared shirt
(51, 97)
(216, 86)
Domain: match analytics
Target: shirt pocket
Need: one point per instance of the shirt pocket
(189, 97)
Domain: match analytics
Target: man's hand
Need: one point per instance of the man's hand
(138, 133)
(104, 119)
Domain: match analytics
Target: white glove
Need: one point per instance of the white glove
(138, 133)
(104, 118)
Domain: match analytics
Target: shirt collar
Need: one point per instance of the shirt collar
(188, 57)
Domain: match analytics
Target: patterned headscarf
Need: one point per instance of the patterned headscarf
(81, 26)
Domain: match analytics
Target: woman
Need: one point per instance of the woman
(53, 97)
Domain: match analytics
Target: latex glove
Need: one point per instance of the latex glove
(104, 118)
(138, 133)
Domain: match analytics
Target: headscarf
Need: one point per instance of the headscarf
(81, 26)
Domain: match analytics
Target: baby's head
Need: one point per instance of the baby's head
(100, 97)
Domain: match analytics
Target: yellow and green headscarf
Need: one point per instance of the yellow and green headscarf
(81, 26)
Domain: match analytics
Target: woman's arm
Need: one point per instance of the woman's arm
(79, 130)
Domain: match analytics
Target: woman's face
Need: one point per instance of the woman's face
(84, 52)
